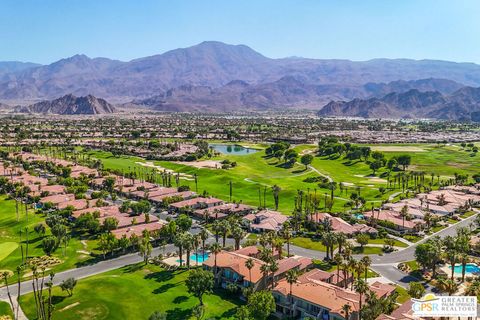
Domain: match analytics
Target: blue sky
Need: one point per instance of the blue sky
(47, 30)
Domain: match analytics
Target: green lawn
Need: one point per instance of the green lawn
(10, 231)
(412, 238)
(134, 292)
(254, 172)
(438, 228)
(403, 295)
(308, 243)
(367, 250)
(467, 214)
(5, 309)
(382, 241)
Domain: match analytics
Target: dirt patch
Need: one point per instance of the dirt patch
(457, 165)
(70, 306)
(208, 164)
(397, 149)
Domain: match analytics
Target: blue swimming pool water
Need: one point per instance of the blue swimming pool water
(359, 216)
(469, 268)
(231, 149)
(200, 257)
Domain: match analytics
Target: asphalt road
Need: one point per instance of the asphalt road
(384, 265)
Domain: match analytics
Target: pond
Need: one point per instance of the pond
(234, 149)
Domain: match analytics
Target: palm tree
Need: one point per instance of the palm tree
(203, 236)
(338, 261)
(276, 190)
(361, 288)
(341, 240)
(404, 214)
(367, 262)
(292, 276)
(188, 246)
(278, 244)
(237, 233)
(346, 308)
(273, 267)
(249, 264)
(265, 269)
(178, 241)
(447, 285)
(287, 235)
(224, 229)
(215, 248)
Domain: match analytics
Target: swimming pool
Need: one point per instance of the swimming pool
(469, 268)
(359, 216)
(197, 257)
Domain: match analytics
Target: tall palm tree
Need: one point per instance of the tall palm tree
(292, 276)
(224, 229)
(367, 262)
(287, 235)
(276, 190)
(249, 264)
(273, 267)
(215, 248)
(404, 214)
(237, 233)
(341, 240)
(361, 288)
(203, 236)
(178, 241)
(265, 268)
(338, 261)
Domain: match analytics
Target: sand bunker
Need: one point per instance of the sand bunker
(160, 168)
(397, 149)
(204, 164)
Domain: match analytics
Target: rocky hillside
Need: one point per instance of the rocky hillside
(70, 105)
(463, 105)
(214, 65)
(287, 92)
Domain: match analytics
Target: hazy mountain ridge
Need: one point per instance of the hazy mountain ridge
(70, 105)
(463, 104)
(287, 92)
(215, 64)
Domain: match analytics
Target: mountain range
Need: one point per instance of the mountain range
(70, 105)
(463, 105)
(213, 76)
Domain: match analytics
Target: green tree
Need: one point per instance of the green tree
(68, 285)
(184, 222)
(49, 245)
(404, 160)
(306, 159)
(199, 282)
(145, 249)
(362, 239)
(416, 289)
(242, 313)
(261, 304)
(110, 223)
